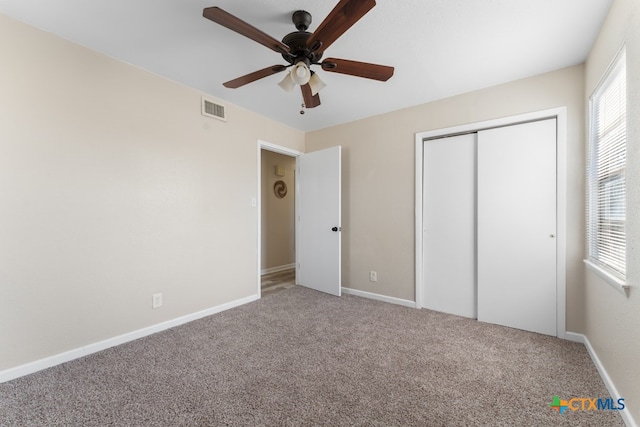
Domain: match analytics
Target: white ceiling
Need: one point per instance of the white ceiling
(439, 48)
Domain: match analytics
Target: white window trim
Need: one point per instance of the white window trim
(604, 273)
(609, 278)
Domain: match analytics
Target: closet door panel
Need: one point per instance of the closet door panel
(449, 225)
(517, 225)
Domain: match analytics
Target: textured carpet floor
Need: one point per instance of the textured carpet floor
(299, 357)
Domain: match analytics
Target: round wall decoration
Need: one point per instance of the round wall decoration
(280, 189)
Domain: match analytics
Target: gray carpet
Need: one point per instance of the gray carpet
(299, 357)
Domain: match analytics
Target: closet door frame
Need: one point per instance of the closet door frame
(560, 114)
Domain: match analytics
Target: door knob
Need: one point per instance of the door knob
(552, 235)
(334, 229)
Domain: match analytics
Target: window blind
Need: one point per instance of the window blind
(606, 207)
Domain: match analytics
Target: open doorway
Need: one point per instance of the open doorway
(316, 198)
(277, 206)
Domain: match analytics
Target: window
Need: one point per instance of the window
(606, 198)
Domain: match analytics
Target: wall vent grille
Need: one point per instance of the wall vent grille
(213, 109)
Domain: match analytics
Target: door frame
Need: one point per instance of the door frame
(560, 113)
(263, 145)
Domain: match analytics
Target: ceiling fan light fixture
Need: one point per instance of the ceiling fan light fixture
(316, 84)
(287, 84)
(300, 73)
(302, 49)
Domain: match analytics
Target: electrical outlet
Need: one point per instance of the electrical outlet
(156, 300)
(373, 276)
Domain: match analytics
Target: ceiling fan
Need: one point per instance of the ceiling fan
(302, 49)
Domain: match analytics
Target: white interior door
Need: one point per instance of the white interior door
(449, 217)
(517, 226)
(319, 220)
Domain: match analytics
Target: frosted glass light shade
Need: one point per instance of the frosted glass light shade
(301, 73)
(316, 84)
(287, 83)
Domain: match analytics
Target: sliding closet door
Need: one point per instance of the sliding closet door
(517, 226)
(449, 225)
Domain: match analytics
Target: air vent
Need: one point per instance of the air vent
(213, 109)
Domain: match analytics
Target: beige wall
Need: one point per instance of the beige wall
(114, 187)
(612, 320)
(378, 176)
(278, 224)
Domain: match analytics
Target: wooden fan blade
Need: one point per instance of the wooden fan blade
(359, 69)
(342, 17)
(226, 19)
(310, 101)
(252, 77)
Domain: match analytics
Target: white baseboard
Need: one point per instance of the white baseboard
(378, 297)
(613, 391)
(572, 336)
(38, 365)
(278, 269)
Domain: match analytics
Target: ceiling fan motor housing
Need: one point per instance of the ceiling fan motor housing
(297, 41)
